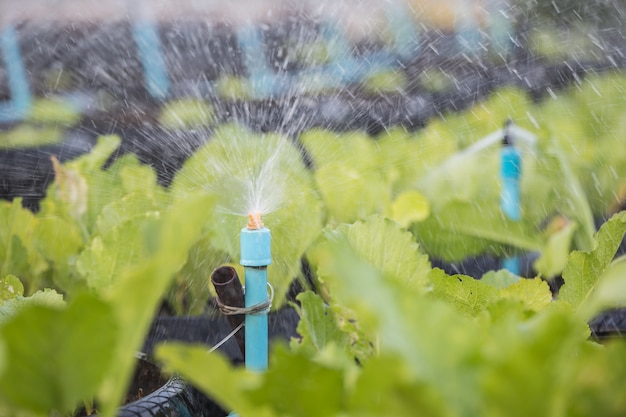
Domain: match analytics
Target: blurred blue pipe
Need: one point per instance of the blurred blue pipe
(255, 257)
(17, 108)
(263, 79)
(510, 173)
(403, 29)
(155, 71)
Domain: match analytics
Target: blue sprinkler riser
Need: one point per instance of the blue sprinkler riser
(255, 257)
(20, 103)
(510, 172)
(256, 328)
(512, 264)
(155, 72)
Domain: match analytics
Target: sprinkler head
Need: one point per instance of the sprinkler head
(254, 221)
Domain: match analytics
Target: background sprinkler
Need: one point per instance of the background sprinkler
(510, 172)
(19, 105)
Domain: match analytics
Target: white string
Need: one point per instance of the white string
(230, 335)
(263, 307)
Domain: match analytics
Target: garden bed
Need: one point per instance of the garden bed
(382, 193)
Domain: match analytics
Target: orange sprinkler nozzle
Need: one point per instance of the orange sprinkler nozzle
(254, 221)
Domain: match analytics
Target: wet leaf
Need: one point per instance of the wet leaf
(499, 279)
(468, 295)
(10, 287)
(63, 357)
(534, 293)
(409, 207)
(554, 256)
(584, 269)
(318, 325)
(185, 114)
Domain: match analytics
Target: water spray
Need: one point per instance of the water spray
(510, 173)
(19, 105)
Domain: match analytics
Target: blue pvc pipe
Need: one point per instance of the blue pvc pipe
(264, 81)
(255, 257)
(510, 173)
(155, 72)
(402, 27)
(21, 99)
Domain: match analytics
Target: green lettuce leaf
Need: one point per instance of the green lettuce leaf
(61, 359)
(584, 269)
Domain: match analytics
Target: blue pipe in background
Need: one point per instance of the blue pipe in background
(510, 173)
(501, 28)
(343, 66)
(17, 108)
(263, 79)
(402, 27)
(155, 72)
(255, 257)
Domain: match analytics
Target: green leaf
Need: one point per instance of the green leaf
(246, 172)
(536, 357)
(499, 279)
(25, 136)
(462, 229)
(317, 326)
(47, 297)
(173, 236)
(61, 359)
(468, 295)
(385, 82)
(59, 241)
(53, 111)
(386, 247)
(409, 207)
(534, 293)
(351, 193)
(319, 391)
(18, 253)
(10, 287)
(187, 113)
(610, 291)
(353, 149)
(554, 256)
(585, 268)
(387, 387)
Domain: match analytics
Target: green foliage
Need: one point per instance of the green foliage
(585, 269)
(386, 82)
(185, 114)
(53, 111)
(25, 136)
(234, 88)
(72, 355)
(441, 348)
(10, 287)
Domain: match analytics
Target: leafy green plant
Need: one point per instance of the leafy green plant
(189, 113)
(26, 136)
(437, 345)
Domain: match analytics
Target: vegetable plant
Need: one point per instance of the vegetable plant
(394, 335)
